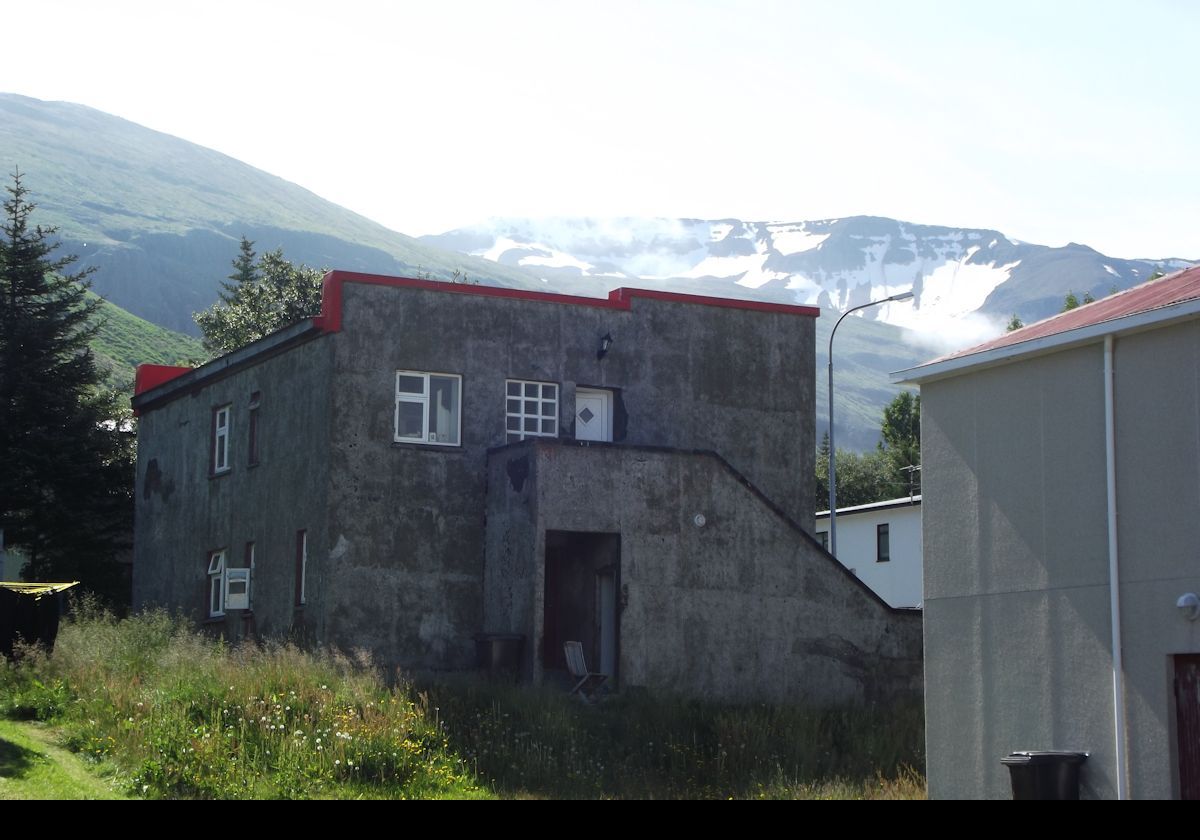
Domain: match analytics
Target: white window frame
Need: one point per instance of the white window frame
(216, 583)
(221, 460)
(235, 600)
(427, 438)
(531, 394)
(302, 567)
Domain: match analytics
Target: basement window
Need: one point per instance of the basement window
(428, 408)
(530, 409)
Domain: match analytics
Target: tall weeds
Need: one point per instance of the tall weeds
(183, 715)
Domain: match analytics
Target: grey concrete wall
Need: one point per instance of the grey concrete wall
(745, 606)
(1157, 378)
(410, 518)
(1017, 622)
(182, 513)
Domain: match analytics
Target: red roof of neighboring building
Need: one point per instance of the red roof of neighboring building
(1156, 294)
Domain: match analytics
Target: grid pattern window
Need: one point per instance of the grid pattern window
(216, 584)
(220, 438)
(428, 408)
(883, 545)
(531, 409)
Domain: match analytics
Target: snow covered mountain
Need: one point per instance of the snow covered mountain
(966, 282)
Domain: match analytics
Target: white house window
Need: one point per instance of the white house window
(428, 408)
(530, 409)
(301, 568)
(237, 589)
(216, 584)
(883, 544)
(220, 439)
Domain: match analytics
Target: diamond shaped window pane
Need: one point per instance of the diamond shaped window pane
(586, 415)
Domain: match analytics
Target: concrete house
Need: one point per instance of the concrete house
(425, 462)
(880, 543)
(1062, 528)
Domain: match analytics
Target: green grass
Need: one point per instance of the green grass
(33, 766)
(177, 714)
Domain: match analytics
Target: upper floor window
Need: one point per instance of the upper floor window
(531, 409)
(883, 544)
(220, 438)
(428, 408)
(216, 584)
(255, 400)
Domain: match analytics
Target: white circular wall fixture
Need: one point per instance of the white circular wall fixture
(1189, 605)
(699, 520)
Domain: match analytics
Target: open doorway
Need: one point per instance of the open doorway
(582, 602)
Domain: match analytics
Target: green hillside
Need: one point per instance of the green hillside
(126, 341)
(161, 217)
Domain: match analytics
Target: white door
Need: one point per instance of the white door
(593, 415)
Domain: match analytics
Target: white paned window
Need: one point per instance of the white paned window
(237, 589)
(530, 409)
(216, 584)
(220, 438)
(428, 408)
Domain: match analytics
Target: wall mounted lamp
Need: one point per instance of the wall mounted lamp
(605, 343)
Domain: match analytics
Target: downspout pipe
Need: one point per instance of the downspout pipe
(1114, 575)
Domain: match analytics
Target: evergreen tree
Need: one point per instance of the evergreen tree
(1014, 323)
(245, 272)
(66, 472)
(264, 296)
(1070, 302)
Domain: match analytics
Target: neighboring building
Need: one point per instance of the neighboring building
(1057, 459)
(881, 544)
(425, 462)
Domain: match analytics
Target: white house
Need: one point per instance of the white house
(881, 544)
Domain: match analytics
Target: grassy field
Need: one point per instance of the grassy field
(175, 714)
(34, 766)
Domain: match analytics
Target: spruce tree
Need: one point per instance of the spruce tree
(66, 473)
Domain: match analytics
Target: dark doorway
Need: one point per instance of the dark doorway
(1187, 717)
(583, 582)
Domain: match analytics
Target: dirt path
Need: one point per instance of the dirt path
(33, 766)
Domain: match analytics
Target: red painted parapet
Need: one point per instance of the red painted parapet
(149, 377)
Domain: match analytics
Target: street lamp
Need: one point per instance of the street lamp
(832, 448)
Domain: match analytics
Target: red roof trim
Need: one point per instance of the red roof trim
(1158, 294)
(148, 377)
(330, 319)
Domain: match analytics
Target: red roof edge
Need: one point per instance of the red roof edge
(330, 319)
(149, 377)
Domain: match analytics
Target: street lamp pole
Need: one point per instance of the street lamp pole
(832, 448)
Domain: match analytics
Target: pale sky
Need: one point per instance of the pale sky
(1051, 121)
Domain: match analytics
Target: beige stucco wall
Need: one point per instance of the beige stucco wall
(1017, 627)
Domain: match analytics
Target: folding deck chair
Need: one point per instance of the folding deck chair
(589, 682)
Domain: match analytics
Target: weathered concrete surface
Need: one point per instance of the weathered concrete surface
(410, 517)
(745, 606)
(183, 514)
(1018, 628)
